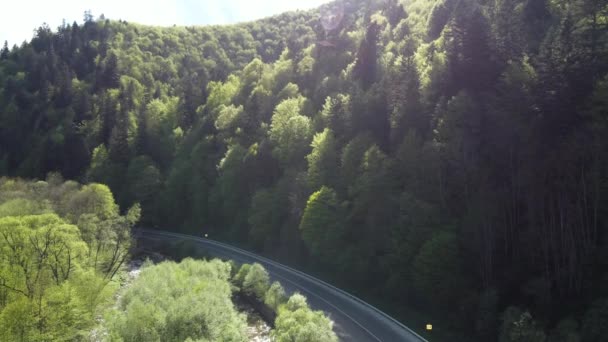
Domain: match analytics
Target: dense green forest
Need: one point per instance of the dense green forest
(64, 247)
(446, 156)
(61, 247)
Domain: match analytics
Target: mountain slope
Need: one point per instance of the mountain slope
(441, 155)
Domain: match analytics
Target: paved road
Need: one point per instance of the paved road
(354, 320)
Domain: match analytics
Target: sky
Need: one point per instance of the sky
(21, 17)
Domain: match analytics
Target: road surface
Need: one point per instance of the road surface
(354, 320)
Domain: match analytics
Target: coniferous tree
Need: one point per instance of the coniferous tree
(4, 51)
(107, 113)
(395, 12)
(407, 110)
(366, 64)
(118, 146)
(463, 139)
(141, 139)
(109, 74)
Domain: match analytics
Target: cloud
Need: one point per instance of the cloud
(23, 16)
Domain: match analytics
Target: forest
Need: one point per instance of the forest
(62, 245)
(446, 158)
(64, 277)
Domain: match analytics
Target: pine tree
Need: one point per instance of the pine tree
(395, 12)
(119, 150)
(107, 113)
(109, 73)
(4, 52)
(365, 67)
(407, 110)
(470, 57)
(64, 82)
(141, 140)
(88, 16)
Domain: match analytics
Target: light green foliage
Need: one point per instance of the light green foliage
(256, 282)
(306, 65)
(221, 94)
(55, 277)
(323, 160)
(239, 278)
(93, 199)
(20, 207)
(290, 131)
(296, 302)
(43, 258)
(297, 322)
(336, 114)
(176, 302)
(289, 91)
(66, 315)
(161, 114)
(282, 71)
(39, 250)
(17, 321)
(322, 225)
(275, 296)
(161, 131)
(100, 164)
(228, 118)
(93, 291)
(251, 75)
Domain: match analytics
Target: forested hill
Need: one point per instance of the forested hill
(447, 156)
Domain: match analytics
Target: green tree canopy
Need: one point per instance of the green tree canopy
(322, 225)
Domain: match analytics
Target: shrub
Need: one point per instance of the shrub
(175, 302)
(297, 322)
(256, 282)
(275, 296)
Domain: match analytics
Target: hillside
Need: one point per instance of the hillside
(444, 156)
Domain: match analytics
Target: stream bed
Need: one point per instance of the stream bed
(257, 329)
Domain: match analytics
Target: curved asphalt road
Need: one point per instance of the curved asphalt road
(354, 320)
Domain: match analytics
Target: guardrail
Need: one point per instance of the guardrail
(301, 274)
